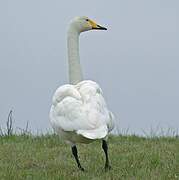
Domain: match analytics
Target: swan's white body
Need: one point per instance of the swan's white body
(79, 112)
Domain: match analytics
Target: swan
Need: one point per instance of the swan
(79, 113)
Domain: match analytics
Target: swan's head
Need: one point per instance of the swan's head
(83, 23)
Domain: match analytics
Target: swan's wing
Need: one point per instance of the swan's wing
(80, 108)
(93, 96)
(68, 111)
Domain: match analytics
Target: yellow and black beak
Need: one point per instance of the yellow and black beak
(96, 26)
(99, 27)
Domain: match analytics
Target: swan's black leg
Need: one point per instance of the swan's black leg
(105, 148)
(75, 154)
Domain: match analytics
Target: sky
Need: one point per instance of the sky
(136, 62)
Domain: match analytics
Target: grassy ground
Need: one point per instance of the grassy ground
(46, 157)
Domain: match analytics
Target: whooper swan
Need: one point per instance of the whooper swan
(79, 113)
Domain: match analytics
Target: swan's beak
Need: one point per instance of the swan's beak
(96, 26)
(99, 27)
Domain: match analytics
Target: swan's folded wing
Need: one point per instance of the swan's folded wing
(66, 110)
(92, 94)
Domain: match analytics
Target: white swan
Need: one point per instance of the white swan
(79, 113)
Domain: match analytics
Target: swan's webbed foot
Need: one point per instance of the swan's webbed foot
(81, 168)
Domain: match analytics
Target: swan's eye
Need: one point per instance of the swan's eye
(87, 19)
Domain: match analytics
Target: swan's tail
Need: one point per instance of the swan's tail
(98, 133)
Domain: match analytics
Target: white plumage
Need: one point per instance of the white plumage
(79, 113)
(81, 109)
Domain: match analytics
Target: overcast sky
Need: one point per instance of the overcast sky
(136, 62)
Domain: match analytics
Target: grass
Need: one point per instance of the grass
(47, 157)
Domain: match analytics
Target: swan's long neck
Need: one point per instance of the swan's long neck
(75, 72)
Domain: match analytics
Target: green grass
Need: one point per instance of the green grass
(47, 157)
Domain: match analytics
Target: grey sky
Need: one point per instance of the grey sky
(135, 62)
